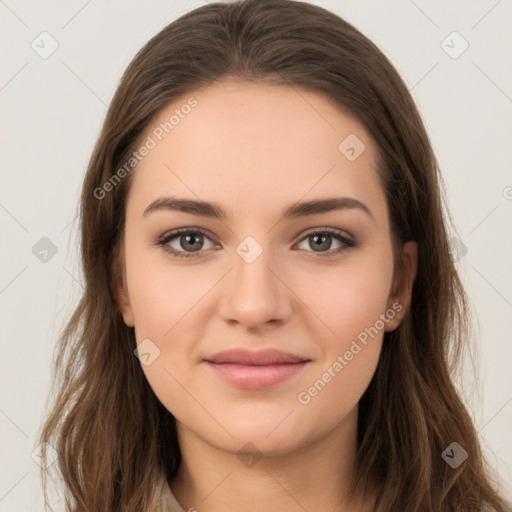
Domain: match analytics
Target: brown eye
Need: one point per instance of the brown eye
(322, 241)
(184, 243)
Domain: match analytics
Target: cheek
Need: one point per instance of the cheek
(355, 312)
(165, 306)
(357, 306)
(348, 299)
(353, 306)
(162, 294)
(350, 353)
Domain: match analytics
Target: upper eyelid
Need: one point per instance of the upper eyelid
(336, 231)
(168, 235)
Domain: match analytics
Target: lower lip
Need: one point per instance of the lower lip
(256, 377)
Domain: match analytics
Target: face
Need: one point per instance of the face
(316, 284)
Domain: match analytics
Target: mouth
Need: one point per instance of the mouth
(255, 370)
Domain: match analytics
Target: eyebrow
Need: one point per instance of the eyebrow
(293, 211)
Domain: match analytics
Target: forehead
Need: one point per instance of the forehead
(249, 145)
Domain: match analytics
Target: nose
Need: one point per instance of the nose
(255, 293)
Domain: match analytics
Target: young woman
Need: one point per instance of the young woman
(271, 312)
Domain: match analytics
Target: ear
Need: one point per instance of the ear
(120, 289)
(403, 280)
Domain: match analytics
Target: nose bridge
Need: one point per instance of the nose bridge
(255, 294)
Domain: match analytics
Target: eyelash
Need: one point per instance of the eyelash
(335, 233)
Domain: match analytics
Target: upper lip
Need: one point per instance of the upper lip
(257, 358)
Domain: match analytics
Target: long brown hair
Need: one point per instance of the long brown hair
(112, 435)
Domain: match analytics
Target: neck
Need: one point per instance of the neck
(316, 476)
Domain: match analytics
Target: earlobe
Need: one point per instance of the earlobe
(403, 281)
(121, 290)
(125, 307)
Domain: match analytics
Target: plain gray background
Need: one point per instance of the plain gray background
(52, 109)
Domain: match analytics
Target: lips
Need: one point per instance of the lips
(255, 370)
(259, 358)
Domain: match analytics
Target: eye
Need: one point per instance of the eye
(187, 242)
(322, 239)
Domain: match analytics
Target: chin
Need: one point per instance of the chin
(268, 434)
(257, 444)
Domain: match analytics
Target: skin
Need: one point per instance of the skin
(253, 149)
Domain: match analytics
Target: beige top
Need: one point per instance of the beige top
(166, 501)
